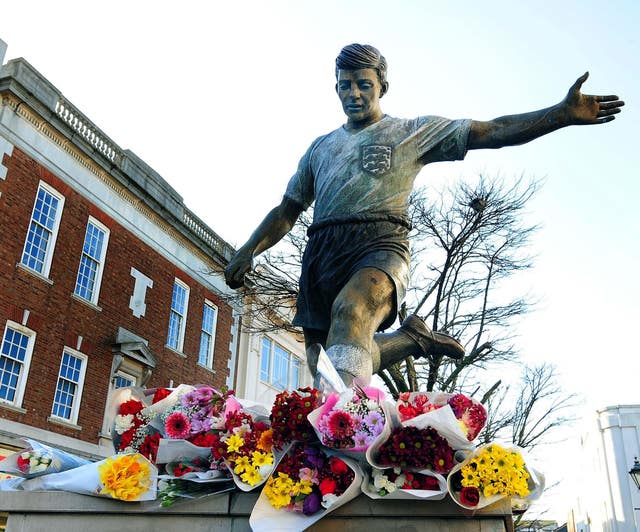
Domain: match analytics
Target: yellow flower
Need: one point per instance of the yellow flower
(242, 464)
(259, 459)
(277, 490)
(125, 477)
(234, 443)
(251, 476)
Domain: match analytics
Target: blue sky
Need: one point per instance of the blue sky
(223, 98)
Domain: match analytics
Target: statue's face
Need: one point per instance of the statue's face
(360, 92)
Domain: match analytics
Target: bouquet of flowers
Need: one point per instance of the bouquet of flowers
(490, 474)
(350, 421)
(39, 459)
(456, 416)
(411, 447)
(309, 482)
(289, 416)
(247, 449)
(126, 477)
(132, 431)
(397, 483)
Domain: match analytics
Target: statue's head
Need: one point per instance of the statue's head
(358, 56)
(361, 80)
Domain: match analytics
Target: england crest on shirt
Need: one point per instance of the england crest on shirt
(376, 159)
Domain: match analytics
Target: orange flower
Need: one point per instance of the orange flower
(265, 443)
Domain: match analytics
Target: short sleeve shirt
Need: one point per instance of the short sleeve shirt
(373, 170)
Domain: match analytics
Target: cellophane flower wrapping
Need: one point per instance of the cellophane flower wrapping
(37, 459)
(310, 482)
(125, 477)
(397, 483)
(409, 447)
(248, 450)
(456, 417)
(350, 421)
(493, 472)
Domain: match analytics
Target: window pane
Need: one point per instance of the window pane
(90, 262)
(177, 316)
(67, 386)
(205, 354)
(265, 360)
(295, 373)
(14, 351)
(280, 367)
(122, 381)
(43, 221)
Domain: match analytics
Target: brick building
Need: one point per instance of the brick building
(106, 278)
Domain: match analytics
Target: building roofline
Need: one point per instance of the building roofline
(24, 82)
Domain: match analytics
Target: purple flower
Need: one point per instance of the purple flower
(312, 503)
(314, 457)
(375, 422)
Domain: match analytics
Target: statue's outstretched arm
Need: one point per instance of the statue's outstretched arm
(275, 225)
(575, 109)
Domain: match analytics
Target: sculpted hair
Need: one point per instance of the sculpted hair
(356, 56)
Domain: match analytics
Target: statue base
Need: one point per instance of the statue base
(58, 511)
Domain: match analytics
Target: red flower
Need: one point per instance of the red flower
(340, 425)
(160, 394)
(327, 485)
(23, 464)
(469, 496)
(130, 407)
(337, 466)
(126, 437)
(205, 440)
(149, 446)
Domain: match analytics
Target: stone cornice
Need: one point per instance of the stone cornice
(38, 102)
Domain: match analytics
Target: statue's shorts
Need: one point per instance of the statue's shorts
(337, 249)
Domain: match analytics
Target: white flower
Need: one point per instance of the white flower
(38, 468)
(372, 405)
(329, 500)
(400, 480)
(379, 480)
(390, 487)
(33, 462)
(123, 423)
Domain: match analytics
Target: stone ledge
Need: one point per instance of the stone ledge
(57, 511)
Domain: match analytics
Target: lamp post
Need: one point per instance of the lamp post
(635, 472)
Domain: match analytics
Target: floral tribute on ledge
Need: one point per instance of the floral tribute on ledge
(306, 454)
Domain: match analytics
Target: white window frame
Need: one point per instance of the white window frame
(206, 359)
(97, 281)
(124, 375)
(182, 316)
(51, 244)
(291, 360)
(77, 398)
(26, 363)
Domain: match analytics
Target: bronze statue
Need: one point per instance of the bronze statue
(356, 264)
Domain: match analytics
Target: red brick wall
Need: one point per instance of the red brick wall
(57, 317)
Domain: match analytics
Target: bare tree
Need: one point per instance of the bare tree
(464, 247)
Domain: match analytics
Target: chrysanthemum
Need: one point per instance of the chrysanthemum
(340, 425)
(177, 426)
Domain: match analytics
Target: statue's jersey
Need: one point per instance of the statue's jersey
(372, 171)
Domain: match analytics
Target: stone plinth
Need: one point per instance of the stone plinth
(56, 511)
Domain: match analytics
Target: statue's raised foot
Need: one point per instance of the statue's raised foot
(432, 343)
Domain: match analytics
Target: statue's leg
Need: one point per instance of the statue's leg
(359, 309)
(414, 338)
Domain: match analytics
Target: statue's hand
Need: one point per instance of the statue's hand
(588, 109)
(239, 265)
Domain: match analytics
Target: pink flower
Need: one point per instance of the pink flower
(177, 426)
